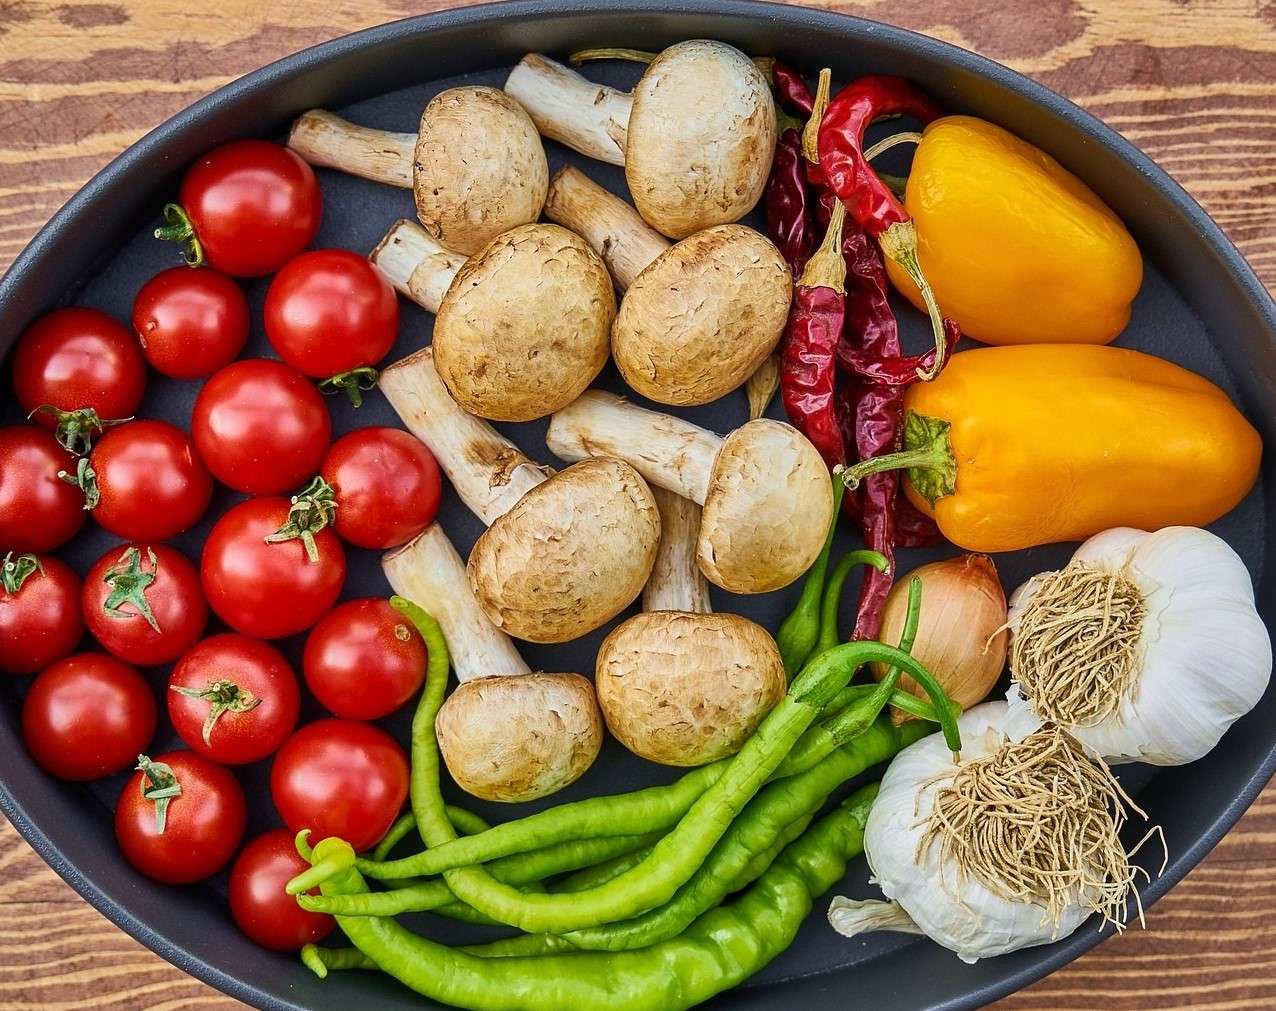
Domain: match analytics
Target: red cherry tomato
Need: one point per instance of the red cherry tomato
(233, 699)
(247, 208)
(190, 322)
(263, 910)
(329, 313)
(77, 361)
(87, 716)
(261, 427)
(180, 817)
(342, 778)
(364, 659)
(40, 619)
(266, 589)
(386, 484)
(38, 510)
(145, 482)
(144, 604)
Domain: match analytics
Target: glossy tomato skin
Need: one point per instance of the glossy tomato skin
(131, 579)
(40, 622)
(387, 486)
(254, 205)
(88, 716)
(262, 909)
(151, 482)
(190, 322)
(268, 590)
(203, 826)
(38, 510)
(364, 659)
(76, 358)
(340, 777)
(252, 666)
(261, 427)
(330, 311)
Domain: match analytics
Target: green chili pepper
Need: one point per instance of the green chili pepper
(800, 631)
(829, 635)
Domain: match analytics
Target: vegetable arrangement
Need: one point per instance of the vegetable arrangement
(997, 825)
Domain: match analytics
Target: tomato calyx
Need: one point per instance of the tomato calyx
(76, 430)
(84, 478)
(178, 228)
(16, 571)
(354, 384)
(225, 696)
(159, 786)
(312, 509)
(129, 582)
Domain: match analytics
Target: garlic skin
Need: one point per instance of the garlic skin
(955, 911)
(1204, 654)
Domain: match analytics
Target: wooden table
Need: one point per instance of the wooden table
(1193, 82)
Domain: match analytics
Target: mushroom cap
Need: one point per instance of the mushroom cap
(513, 737)
(524, 327)
(703, 316)
(768, 509)
(701, 137)
(479, 167)
(686, 689)
(572, 554)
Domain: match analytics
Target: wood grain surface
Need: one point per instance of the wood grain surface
(1193, 82)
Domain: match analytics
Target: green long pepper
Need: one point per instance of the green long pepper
(800, 631)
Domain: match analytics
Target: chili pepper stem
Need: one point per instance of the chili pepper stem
(886, 143)
(178, 228)
(811, 132)
(829, 634)
(827, 267)
(899, 243)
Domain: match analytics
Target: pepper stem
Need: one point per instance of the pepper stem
(811, 133)
(886, 143)
(312, 509)
(225, 696)
(331, 856)
(827, 266)
(353, 384)
(899, 243)
(84, 478)
(16, 571)
(129, 582)
(927, 456)
(178, 228)
(829, 634)
(162, 789)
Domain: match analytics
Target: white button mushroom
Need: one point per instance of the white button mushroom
(505, 733)
(698, 318)
(476, 166)
(523, 326)
(765, 490)
(696, 135)
(562, 555)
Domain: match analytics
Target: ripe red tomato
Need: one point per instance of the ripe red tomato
(78, 360)
(233, 699)
(144, 604)
(330, 312)
(180, 817)
(38, 510)
(261, 427)
(190, 322)
(145, 482)
(269, 589)
(342, 778)
(247, 208)
(87, 716)
(263, 910)
(387, 486)
(40, 619)
(364, 659)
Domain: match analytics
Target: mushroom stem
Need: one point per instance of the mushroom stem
(332, 142)
(613, 229)
(414, 262)
(429, 572)
(669, 452)
(489, 473)
(676, 582)
(590, 118)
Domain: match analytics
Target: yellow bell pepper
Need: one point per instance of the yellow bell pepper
(1015, 447)
(1017, 249)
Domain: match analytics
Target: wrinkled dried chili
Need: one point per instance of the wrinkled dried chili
(788, 212)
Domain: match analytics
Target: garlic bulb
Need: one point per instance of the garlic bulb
(1147, 647)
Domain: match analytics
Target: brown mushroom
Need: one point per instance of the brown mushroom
(505, 733)
(476, 166)
(523, 326)
(766, 493)
(698, 318)
(696, 135)
(563, 554)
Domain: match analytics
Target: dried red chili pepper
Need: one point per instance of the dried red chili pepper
(897, 370)
(788, 212)
(791, 90)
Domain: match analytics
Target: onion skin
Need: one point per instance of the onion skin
(961, 633)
